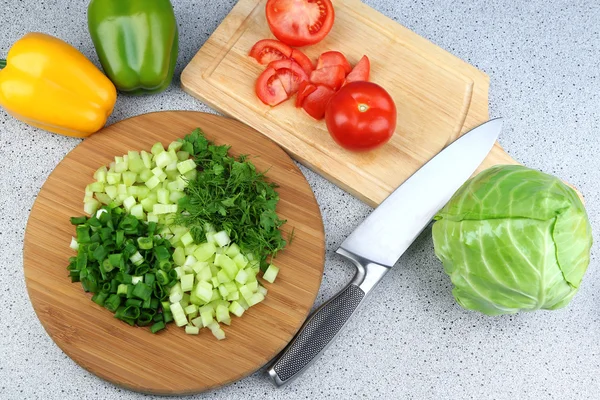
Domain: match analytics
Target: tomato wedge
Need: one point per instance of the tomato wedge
(333, 58)
(269, 88)
(328, 76)
(268, 50)
(361, 71)
(290, 74)
(303, 61)
(315, 103)
(304, 90)
(300, 22)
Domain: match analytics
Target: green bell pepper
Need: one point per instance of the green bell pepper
(136, 41)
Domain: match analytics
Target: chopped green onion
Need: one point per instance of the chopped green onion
(112, 302)
(145, 243)
(133, 302)
(142, 291)
(158, 318)
(136, 279)
(167, 316)
(157, 326)
(161, 253)
(78, 220)
(99, 298)
(162, 277)
(122, 289)
(136, 258)
(149, 279)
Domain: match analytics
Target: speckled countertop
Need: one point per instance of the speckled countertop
(410, 340)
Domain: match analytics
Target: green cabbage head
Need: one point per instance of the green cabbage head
(513, 239)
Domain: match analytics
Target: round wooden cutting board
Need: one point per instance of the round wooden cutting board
(170, 362)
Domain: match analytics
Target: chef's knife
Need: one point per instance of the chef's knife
(379, 241)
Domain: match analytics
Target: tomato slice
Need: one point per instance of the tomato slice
(269, 88)
(290, 74)
(303, 61)
(300, 22)
(361, 71)
(304, 89)
(333, 58)
(328, 76)
(316, 102)
(268, 50)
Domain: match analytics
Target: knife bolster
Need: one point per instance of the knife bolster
(368, 273)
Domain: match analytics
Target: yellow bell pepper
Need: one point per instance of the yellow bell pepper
(49, 84)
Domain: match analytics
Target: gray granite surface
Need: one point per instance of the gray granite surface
(410, 340)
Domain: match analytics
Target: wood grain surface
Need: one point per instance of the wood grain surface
(438, 96)
(170, 362)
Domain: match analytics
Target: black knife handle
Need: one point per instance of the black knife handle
(325, 323)
(318, 331)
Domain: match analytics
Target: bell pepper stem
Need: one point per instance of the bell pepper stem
(2, 63)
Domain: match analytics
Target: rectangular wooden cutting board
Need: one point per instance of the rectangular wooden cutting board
(438, 96)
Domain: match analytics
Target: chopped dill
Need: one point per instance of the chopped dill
(231, 195)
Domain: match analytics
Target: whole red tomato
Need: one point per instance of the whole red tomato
(361, 116)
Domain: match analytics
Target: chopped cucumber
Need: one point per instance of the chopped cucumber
(100, 174)
(222, 238)
(197, 322)
(204, 251)
(242, 276)
(187, 239)
(216, 330)
(204, 274)
(255, 299)
(175, 145)
(207, 318)
(271, 273)
(187, 282)
(192, 330)
(240, 260)
(157, 148)
(178, 314)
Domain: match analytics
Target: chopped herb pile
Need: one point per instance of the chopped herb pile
(230, 194)
(126, 265)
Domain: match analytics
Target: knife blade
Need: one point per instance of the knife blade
(388, 231)
(381, 239)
